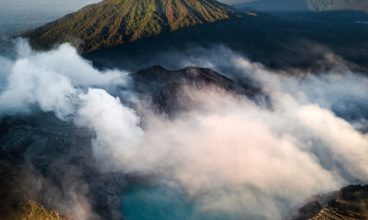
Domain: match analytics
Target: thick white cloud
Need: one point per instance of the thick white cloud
(228, 153)
(232, 155)
(117, 128)
(49, 79)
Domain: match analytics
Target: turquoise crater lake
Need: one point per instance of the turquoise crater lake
(149, 202)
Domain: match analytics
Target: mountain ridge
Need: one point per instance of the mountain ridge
(123, 21)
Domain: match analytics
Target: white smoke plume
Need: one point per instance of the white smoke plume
(49, 80)
(116, 126)
(228, 153)
(52, 81)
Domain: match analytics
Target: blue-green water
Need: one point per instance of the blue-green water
(164, 203)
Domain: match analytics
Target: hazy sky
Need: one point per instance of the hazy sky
(21, 15)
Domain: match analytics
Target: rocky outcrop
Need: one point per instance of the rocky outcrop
(167, 89)
(35, 211)
(350, 203)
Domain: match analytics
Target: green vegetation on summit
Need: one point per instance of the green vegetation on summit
(115, 22)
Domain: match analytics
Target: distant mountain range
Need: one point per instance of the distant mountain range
(306, 5)
(327, 5)
(274, 5)
(113, 22)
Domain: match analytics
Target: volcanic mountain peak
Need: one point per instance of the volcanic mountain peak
(114, 22)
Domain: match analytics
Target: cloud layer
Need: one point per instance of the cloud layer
(228, 153)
